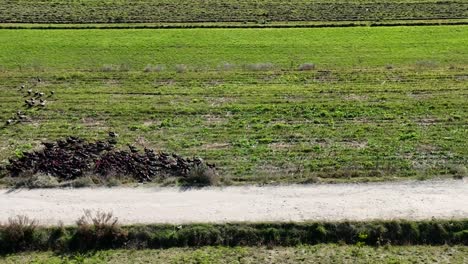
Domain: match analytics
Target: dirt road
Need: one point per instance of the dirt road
(408, 200)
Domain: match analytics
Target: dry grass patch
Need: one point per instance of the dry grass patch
(356, 97)
(354, 144)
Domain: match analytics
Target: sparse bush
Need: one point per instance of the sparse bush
(306, 67)
(99, 219)
(112, 182)
(201, 175)
(458, 171)
(125, 67)
(18, 234)
(225, 66)
(426, 64)
(107, 68)
(97, 230)
(83, 182)
(153, 68)
(41, 181)
(245, 235)
(200, 235)
(181, 68)
(311, 179)
(260, 67)
(148, 68)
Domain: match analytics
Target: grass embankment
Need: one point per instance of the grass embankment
(261, 12)
(287, 24)
(102, 232)
(301, 254)
(378, 104)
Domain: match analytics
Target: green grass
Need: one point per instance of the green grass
(265, 11)
(281, 24)
(328, 253)
(382, 103)
(327, 47)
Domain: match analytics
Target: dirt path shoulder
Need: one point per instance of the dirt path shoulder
(402, 200)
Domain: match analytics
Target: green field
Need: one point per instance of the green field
(262, 12)
(381, 103)
(328, 253)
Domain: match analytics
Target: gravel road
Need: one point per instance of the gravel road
(400, 200)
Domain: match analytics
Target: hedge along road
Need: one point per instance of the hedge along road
(385, 201)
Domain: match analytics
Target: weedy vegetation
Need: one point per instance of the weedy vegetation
(100, 230)
(288, 109)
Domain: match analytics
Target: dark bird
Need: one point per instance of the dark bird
(113, 134)
(112, 141)
(30, 103)
(20, 115)
(29, 92)
(42, 103)
(52, 93)
(22, 87)
(41, 94)
(149, 150)
(48, 144)
(38, 79)
(132, 148)
(9, 122)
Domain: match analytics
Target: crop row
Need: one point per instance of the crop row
(13, 11)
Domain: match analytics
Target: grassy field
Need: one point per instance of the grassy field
(202, 49)
(328, 253)
(265, 11)
(379, 103)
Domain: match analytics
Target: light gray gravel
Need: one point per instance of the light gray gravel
(401, 200)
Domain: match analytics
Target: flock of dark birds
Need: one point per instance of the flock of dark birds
(74, 157)
(35, 98)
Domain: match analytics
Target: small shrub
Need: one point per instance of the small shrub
(260, 67)
(200, 235)
(153, 68)
(148, 68)
(320, 233)
(112, 182)
(226, 66)
(41, 181)
(58, 238)
(99, 219)
(458, 171)
(242, 235)
(181, 68)
(426, 64)
(306, 67)
(461, 237)
(138, 238)
(83, 182)
(18, 234)
(201, 175)
(107, 68)
(311, 180)
(125, 67)
(272, 236)
(98, 231)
